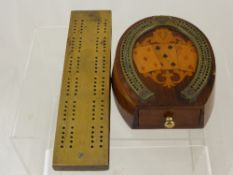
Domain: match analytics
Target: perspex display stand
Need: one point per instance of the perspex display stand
(132, 152)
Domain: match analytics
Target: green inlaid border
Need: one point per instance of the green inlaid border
(202, 73)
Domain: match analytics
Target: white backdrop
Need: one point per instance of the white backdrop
(20, 18)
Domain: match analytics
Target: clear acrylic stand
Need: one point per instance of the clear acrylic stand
(132, 152)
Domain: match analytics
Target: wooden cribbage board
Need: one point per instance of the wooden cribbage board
(82, 133)
(164, 74)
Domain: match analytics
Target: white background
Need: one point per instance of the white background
(19, 19)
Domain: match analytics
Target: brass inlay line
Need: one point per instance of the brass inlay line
(82, 134)
(204, 55)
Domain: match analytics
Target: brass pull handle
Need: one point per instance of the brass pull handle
(169, 122)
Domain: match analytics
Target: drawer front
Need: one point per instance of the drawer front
(174, 118)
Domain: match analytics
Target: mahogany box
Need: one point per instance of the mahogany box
(163, 74)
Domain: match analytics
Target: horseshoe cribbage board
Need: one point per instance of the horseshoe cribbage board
(163, 74)
(82, 134)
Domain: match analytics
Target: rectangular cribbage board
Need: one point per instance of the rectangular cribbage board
(82, 133)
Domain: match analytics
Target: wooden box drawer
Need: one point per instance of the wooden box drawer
(181, 118)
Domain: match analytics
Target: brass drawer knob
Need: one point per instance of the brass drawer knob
(169, 123)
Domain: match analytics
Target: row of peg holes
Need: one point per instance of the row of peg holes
(102, 80)
(68, 87)
(80, 35)
(64, 127)
(93, 136)
(71, 139)
(92, 140)
(74, 28)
